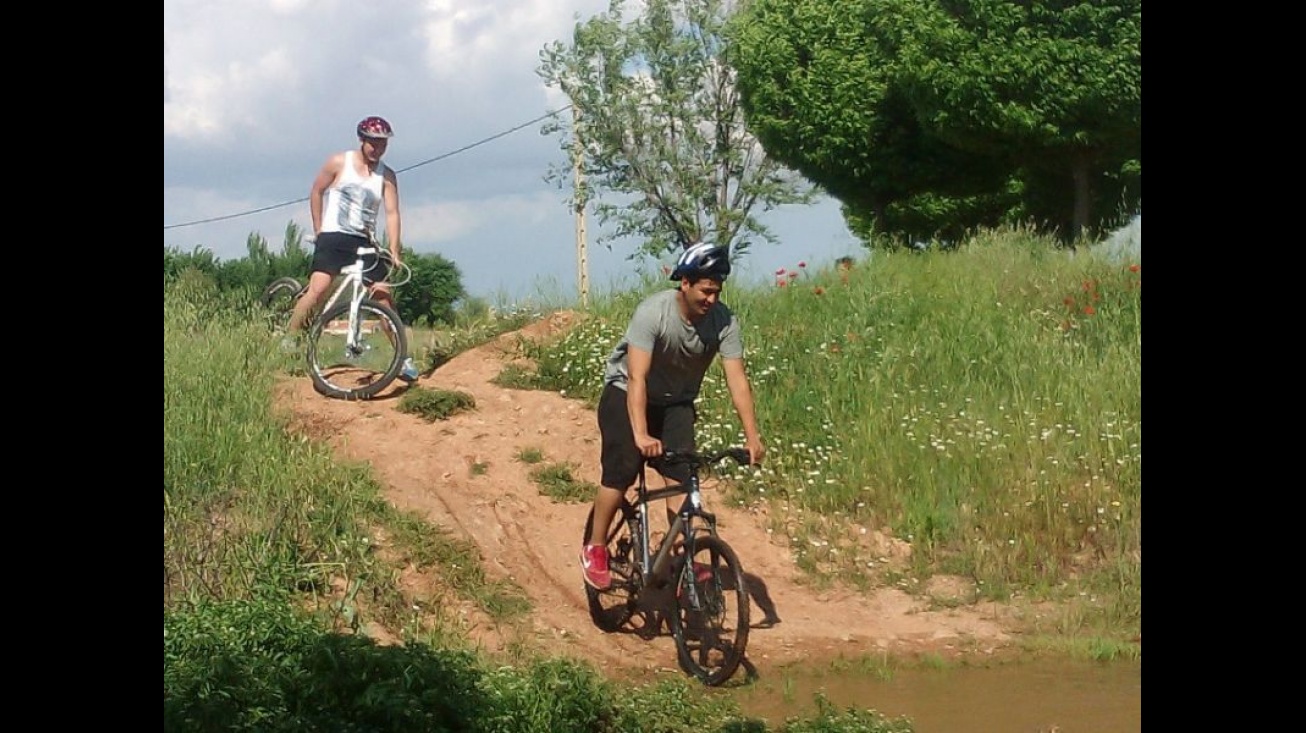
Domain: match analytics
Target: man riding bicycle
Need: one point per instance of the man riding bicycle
(344, 200)
(650, 383)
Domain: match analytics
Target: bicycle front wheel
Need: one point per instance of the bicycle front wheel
(354, 359)
(710, 623)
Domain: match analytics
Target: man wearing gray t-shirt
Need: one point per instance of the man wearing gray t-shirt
(650, 383)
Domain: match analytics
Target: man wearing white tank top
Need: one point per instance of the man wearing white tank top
(346, 197)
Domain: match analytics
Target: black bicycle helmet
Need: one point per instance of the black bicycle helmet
(703, 260)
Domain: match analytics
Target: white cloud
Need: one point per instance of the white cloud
(292, 7)
(201, 106)
(451, 221)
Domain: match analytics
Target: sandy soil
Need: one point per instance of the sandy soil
(534, 541)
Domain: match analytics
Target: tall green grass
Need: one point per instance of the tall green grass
(982, 404)
(251, 510)
(247, 509)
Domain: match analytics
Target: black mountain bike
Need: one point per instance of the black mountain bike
(692, 578)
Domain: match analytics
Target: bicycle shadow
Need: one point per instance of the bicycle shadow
(392, 391)
(649, 621)
(760, 595)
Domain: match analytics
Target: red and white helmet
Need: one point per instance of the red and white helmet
(375, 127)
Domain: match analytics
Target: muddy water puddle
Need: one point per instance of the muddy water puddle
(1037, 696)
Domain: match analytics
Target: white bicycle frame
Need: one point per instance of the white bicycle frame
(352, 275)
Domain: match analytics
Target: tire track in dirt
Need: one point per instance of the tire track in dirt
(428, 468)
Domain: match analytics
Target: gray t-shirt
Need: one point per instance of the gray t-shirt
(682, 351)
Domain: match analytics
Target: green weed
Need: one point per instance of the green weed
(530, 456)
(435, 404)
(557, 482)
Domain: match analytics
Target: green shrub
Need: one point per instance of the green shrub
(435, 404)
(260, 666)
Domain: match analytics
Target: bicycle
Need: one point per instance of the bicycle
(356, 345)
(692, 578)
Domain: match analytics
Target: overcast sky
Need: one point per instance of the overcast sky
(257, 93)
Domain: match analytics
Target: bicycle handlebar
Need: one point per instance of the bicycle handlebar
(700, 460)
(382, 254)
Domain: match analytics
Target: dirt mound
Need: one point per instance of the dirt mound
(463, 475)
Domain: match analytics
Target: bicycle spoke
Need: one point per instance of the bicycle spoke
(357, 364)
(711, 619)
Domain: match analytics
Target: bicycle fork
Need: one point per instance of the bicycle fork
(353, 340)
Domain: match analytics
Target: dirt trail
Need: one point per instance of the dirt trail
(527, 537)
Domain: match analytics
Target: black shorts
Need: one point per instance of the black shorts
(334, 251)
(621, 460)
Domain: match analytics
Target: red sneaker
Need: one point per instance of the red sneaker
(594, 564)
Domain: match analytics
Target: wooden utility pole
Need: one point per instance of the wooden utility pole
(578, 180)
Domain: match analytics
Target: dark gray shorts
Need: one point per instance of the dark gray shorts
(621, 460)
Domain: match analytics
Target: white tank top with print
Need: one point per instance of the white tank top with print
(353, 201)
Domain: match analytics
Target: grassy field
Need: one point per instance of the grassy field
(983, 405)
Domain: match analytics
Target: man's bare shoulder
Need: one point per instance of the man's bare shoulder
(335, 161)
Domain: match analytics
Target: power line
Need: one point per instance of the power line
(428, 161)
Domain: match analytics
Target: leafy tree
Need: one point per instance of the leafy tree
(822, 87)
(926, 117)
(292, 261)
(1057, 86)
(176, 262)
(429, 296)
(253, 272)
(660, 126)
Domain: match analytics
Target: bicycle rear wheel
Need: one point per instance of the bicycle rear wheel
(360, 370)
(279, 298)
(612, 609)
(710, 624)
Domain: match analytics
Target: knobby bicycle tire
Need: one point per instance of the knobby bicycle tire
(710, 621)
(281, 290)
(612, 609)
(361, 374)
(279, 300)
